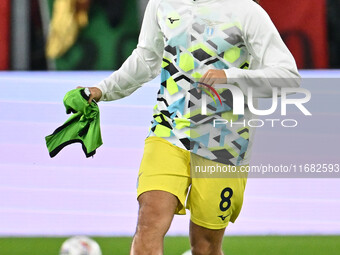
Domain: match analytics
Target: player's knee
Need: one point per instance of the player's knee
(203, 250)
(148, 238)
(206, 247)
(156, 211)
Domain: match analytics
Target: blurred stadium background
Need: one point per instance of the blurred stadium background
(43, 201)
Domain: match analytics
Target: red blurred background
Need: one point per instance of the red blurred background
(303, 27)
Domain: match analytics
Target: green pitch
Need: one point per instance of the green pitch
(245, 245)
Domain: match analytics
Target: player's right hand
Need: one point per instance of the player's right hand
(95, 94)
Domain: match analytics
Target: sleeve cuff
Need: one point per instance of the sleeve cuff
(102, 87)
(233, 74)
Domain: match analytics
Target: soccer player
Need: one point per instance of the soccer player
(196, 45)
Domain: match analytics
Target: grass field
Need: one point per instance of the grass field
(245, 245)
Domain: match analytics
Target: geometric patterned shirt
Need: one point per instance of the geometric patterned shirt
(182, 40)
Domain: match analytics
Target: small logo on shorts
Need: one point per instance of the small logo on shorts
(223, 217)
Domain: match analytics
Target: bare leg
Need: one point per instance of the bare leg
(156, 211)
(205, 241)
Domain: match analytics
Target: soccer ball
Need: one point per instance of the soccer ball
(187, 252)
(80, 245)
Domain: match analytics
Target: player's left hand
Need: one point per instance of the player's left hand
(212, 77)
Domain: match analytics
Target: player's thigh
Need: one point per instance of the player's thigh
(156, 211)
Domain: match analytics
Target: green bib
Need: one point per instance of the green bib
(82, 127)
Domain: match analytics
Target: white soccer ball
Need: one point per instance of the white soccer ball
(187, 253)
(80, 245)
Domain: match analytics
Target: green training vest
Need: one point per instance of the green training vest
(82, 127)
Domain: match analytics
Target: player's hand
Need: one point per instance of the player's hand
(212, 77)
(95, 94)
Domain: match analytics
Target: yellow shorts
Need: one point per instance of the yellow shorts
(212, 201)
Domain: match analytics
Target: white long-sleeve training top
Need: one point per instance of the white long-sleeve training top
(181, 40)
